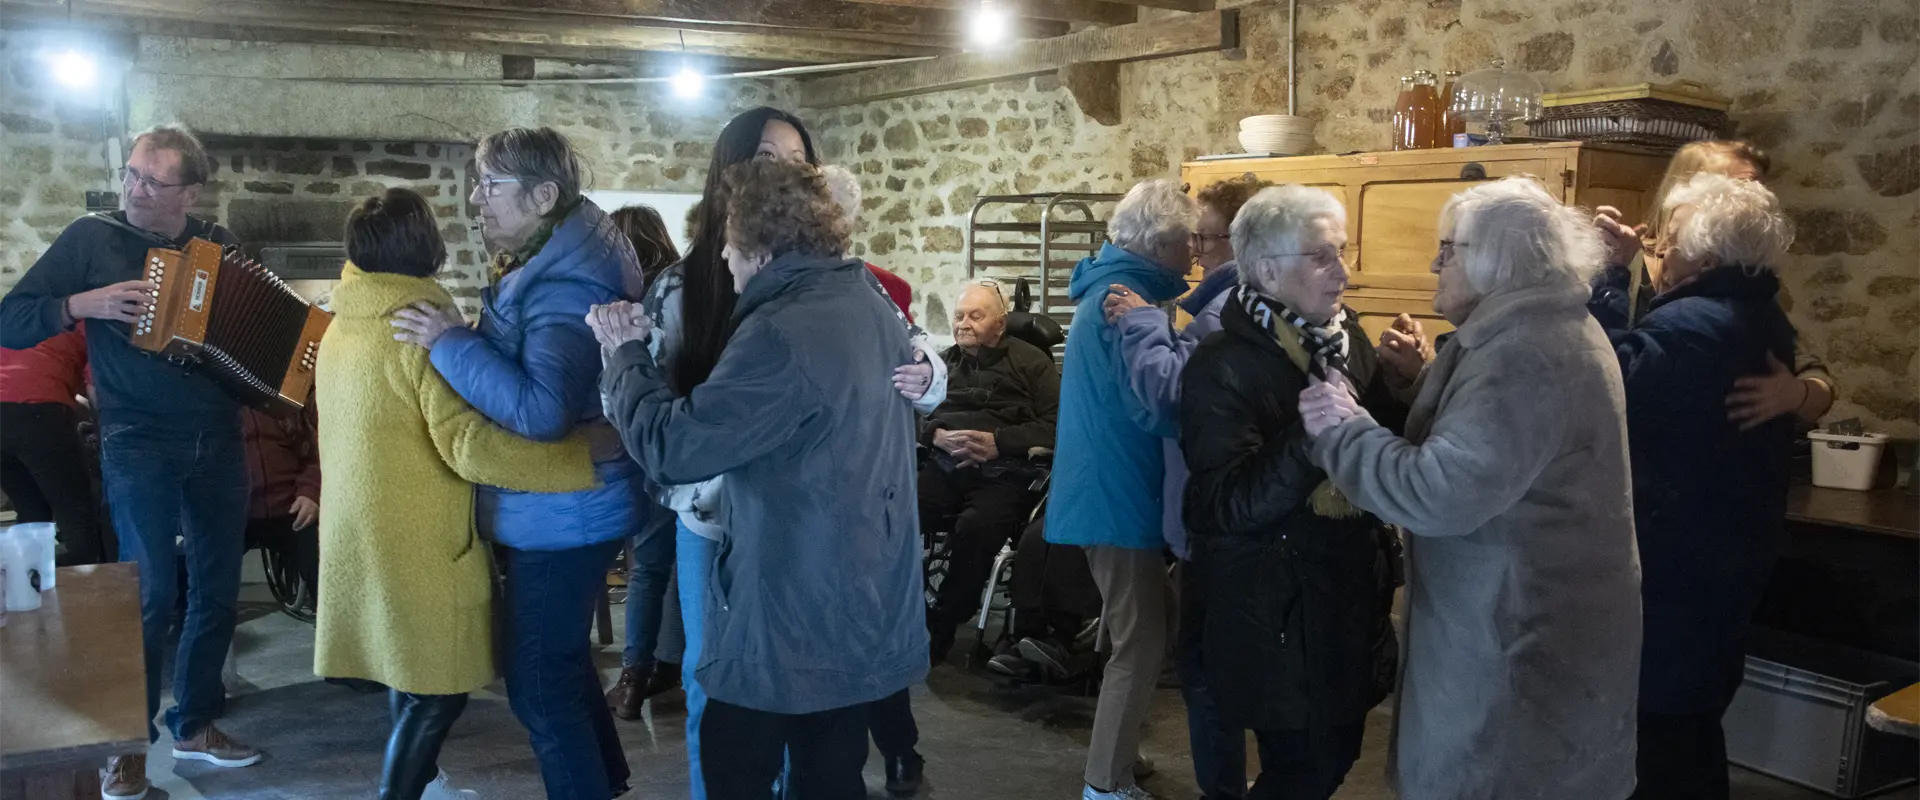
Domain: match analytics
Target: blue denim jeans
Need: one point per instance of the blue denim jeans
(649, 570)
(166, 482)
(551, 682)
(694, 556)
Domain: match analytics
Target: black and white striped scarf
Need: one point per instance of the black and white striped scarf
(1326, 343)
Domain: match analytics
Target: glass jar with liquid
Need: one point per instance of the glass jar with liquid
(1425, 123)
(1402, 104)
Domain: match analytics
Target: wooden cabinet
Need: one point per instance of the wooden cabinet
(1393, 202)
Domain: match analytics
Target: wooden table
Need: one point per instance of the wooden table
(73, 687)
(1888, 511)
(1897, 713)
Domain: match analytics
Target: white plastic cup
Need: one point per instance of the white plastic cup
(19, 551)
(46, 545)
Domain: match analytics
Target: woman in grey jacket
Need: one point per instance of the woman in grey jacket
(1522, 652)
(815, 600)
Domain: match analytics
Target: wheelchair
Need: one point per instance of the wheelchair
(995, 599)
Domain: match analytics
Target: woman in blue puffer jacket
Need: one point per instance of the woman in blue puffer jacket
(533, 367)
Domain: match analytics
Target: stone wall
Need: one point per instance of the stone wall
(1829, 88)
(281, 140)
(53, 142)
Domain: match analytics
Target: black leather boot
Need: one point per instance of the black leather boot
(420, 725)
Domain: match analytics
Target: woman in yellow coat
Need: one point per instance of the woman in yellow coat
(407, 580)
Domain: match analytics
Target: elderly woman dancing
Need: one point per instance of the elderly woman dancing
(815, 606)
(1523, 595)
(1108, 472)
(1709, 494)
(1276, 554)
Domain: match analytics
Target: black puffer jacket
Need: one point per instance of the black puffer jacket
(1296, 633)
(1011, 391)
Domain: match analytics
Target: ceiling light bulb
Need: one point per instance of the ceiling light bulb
(73, 69)
(687, 83)
(989, 25)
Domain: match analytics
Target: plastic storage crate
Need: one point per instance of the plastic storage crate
(1806, 723)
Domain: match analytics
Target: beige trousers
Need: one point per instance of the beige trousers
(1136, 604)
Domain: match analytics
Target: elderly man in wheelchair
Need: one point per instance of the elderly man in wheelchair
(986, 448)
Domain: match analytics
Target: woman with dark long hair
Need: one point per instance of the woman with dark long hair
(692, 306)
(650, 616)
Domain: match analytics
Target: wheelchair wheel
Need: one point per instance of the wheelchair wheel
(936, 557)
(290, 591)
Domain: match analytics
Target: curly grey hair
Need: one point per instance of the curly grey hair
(1511, 234)
(1737, 222)
(1153, 213)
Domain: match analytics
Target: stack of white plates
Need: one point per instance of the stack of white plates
(1284, 134)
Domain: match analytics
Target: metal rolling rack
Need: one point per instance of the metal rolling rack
(1043, 252)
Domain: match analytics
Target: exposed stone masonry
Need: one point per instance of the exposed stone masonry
(1828, 88)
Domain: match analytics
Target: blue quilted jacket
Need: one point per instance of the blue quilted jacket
(533, 367)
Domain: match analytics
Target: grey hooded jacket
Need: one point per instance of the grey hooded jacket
(815, 600)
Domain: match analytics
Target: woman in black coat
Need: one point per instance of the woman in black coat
(1709, 497)
(1295, 583)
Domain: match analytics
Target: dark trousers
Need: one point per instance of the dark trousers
(1219, 752)
(649, 573)
(166, 481)
(890, 720)
(301, 548)
(1052, 590)
(420, 726)
(980, 515)
(1682, 757)
(740, 752)
(551, 682)
(1294, 766)
(44, 472)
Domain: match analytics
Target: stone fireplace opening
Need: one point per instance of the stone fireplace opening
(287, 200)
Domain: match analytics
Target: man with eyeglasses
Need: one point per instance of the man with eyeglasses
(172, 457)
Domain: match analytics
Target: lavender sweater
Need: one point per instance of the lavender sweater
(1155, 356)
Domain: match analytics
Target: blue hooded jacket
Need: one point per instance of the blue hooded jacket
(533, 367)
(1108, 463)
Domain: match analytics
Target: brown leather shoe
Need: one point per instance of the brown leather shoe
(125, 778)
(213, 747)
(628, 694)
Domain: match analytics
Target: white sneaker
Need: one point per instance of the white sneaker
(440, 789)
(1133, 792)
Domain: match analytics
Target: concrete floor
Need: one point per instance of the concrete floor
(325, 742)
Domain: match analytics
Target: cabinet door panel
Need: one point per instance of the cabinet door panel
(1400, 221)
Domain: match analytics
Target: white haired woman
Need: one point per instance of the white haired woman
(1288, 589)
(1709, 493)
(1109, 467)
(1523, 592)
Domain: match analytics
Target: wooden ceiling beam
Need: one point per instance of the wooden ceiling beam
(1173, 5)
(804, 15)
(1097, 11)
(518, 32)
(1194, 33)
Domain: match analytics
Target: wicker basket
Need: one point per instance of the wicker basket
(1651, 115)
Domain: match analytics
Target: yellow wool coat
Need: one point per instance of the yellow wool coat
(405, 582)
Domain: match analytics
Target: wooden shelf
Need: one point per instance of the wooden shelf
(1890, 511)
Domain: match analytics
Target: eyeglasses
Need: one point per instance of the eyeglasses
(490, 185)
(1204, 242)
(1324, 255)
(130, 178)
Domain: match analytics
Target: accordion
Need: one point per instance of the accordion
(234, 319)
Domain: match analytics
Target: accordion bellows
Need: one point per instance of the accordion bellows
(235, 320)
